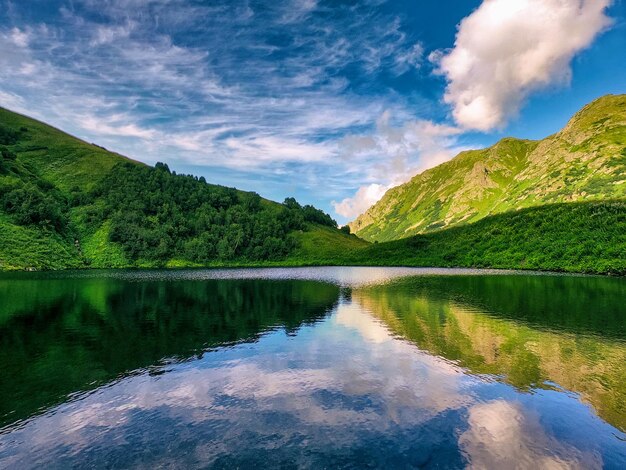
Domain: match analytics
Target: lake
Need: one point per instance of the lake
(312, 368)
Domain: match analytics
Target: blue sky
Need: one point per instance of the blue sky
(332, 102)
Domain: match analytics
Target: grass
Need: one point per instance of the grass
(31, 248)
(59, 157)
(569, 237)
(322, 245)
(99, 252)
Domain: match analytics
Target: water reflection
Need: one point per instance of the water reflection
(226, 374)
(568, 331)
(63, 336)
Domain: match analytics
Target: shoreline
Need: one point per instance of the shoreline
(278, 265)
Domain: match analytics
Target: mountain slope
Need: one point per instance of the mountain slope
(55, 155)
(65, 203)
(578, 237)
(109, 212)
(583, 162)
(584, 237)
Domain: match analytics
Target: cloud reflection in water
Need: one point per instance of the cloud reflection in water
(344, 390)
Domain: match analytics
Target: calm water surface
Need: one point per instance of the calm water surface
(312, 368)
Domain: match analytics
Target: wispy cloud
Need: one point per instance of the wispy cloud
(116, 125)
(162, 71)
(19, 38)
(317, 95)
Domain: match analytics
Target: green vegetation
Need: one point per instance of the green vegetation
(68, 204)
(583, 162)
(123, 214)
(322, 245)
(34, 248)
(156, 215)
(575, 237)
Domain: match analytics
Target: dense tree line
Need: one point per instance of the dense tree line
(35, 204)
(9, 136)
(158, 215)
(30, 200)
(153, 213)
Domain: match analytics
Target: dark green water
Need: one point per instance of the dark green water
(313, 368)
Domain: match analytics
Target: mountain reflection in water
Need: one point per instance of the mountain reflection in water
(328, 369)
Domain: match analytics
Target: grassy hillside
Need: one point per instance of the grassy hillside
(573, 237)
(568, 237)
(324, 246)
(56, 156)
(586, 161)
(106, 211)
(65, 203)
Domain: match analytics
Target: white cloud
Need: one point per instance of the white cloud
(507, 49)
(11, 101)
(271, 148)
(411, 58)
(298, 10)
(108, 34)
(365, 197)
(19, 38)
(391, 156)
(116, 125)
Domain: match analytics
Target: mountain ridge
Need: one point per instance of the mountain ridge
(584, 161)
(65, 203)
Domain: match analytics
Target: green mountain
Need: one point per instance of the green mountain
(586, 161)
(65, 203)
(582, 237)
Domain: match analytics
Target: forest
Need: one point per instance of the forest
(157, 214)
(154, 213)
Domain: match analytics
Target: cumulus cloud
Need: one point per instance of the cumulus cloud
(392, 155)
(365, 197)
(503, 435)
(507, 49)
